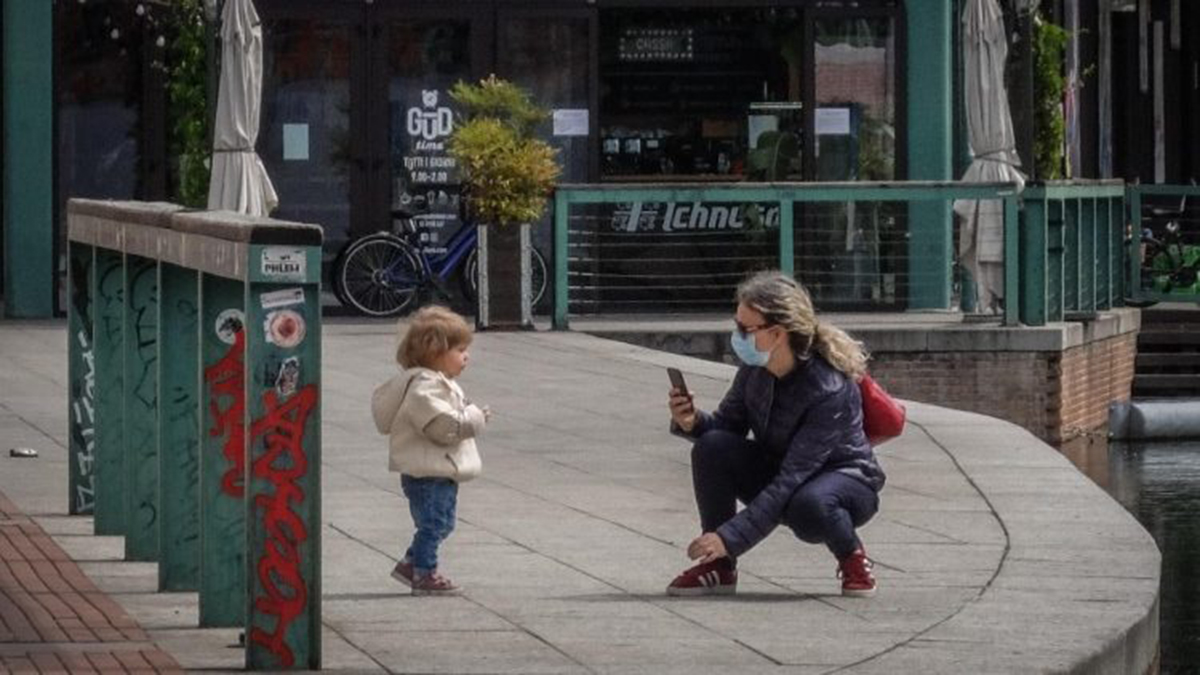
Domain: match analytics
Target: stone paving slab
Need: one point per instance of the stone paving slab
(993, 554)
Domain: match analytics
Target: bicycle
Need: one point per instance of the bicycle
(384, 274)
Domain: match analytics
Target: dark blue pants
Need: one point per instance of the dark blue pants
(826, 509)
(432, 502)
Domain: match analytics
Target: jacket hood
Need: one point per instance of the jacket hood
(385, 403)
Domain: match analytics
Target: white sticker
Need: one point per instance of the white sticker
(571, 122)
(282, 298)
(228, 323)
(285, 328)
(283, 261)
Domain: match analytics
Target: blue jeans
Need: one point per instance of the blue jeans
(432, 502)
(826, 509)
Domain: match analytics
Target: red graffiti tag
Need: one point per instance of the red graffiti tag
(227, 378)
(285, 593)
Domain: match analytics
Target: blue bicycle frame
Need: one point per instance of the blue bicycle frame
(457, 249)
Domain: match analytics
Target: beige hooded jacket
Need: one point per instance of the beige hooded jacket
(431, 424)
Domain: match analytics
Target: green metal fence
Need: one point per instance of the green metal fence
(1072, 250)
(194, 367)
(742, 226)
(1164, 249)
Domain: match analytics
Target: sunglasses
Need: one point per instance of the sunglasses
(745, 330)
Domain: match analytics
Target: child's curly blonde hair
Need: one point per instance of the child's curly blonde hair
(432, 331)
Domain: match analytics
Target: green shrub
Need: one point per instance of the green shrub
(507, 172)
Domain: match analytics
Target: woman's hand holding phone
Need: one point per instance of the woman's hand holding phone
(683, 408)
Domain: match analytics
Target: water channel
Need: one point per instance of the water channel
(1159, 483)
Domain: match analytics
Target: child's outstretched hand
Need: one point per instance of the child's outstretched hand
(487, 413)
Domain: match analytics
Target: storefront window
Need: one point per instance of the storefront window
(855, 119)
(305, 138)
(691, 92)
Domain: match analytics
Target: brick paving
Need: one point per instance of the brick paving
(53, 619)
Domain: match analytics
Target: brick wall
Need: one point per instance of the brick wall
(1055, 395)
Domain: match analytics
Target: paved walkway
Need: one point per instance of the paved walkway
(994, 554)
(53, 619)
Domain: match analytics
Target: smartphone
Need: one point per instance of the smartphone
(677, 381)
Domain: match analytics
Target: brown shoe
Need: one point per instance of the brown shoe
(403, 572)
(433, 584)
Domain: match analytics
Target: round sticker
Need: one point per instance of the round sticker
(285, 328)
(228, 323)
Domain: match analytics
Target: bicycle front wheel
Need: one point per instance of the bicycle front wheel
(379, 276)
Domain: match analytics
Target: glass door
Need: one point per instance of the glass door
(310, 139)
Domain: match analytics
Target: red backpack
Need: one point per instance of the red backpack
(883, 416)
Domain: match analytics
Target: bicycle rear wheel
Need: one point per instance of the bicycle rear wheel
(379, 276)
(538, 275)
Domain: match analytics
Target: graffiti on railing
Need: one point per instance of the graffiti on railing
(142, 368)
(284, 592)
(226, 380)
(83, 387)
(83, 407)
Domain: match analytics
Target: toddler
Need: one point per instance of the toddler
(432, 428)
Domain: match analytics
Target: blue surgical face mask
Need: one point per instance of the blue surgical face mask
(749, 353)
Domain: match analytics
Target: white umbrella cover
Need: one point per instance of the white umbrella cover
(993, 148)
(239, 180)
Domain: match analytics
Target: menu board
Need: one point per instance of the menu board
(421, 164)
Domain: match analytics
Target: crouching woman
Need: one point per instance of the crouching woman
(808, 466)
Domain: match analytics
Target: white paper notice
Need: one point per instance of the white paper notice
(760, 124)
(833, 121)
(571, 122)
(295, 142)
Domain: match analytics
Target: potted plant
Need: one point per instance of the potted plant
(508, 175)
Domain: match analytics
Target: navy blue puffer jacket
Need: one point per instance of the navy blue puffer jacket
(808, 422)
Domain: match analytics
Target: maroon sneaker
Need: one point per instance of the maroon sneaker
(403, 572)
(855, 572)
(718, 577)
(433, 584)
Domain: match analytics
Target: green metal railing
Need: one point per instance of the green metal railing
(1072, 250)
(1165, 270)
(785, 197)
(194, 368)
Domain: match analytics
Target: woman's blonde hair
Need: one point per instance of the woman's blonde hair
(783, 302)
(432, 331)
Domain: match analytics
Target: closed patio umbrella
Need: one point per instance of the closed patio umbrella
(239, 180)
(993, 149)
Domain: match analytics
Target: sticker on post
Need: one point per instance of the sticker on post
(228, 323)
(284, 328)
(288, 378)
(283, 261)
(282, 298)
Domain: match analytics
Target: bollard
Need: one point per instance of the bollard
(81, 376)
(109, 327)
(222, 452)
(195, 364)
(179, 423)
(141, 403)
(283, 346)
